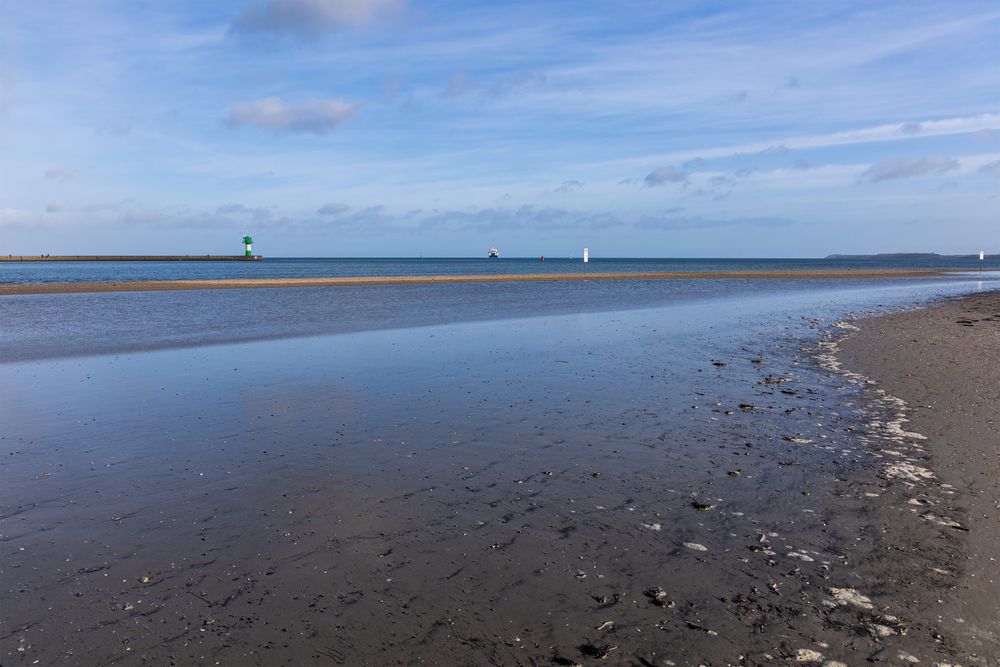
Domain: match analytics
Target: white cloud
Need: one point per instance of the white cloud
(315, 116)
(895, 168)
(868, 135)
(310, 19)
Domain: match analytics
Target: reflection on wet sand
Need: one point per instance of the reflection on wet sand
(672, 486)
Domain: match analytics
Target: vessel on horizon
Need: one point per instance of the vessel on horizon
(494, 253)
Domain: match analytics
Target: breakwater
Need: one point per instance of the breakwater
(129, 258)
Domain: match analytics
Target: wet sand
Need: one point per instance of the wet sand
(944, 362)
(249, 283)
(618, 488)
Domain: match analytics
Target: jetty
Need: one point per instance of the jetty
(130, 258)
(247, 256)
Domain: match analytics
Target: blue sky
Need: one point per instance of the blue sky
(402, 127)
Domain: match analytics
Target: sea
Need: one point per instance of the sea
(441, 474)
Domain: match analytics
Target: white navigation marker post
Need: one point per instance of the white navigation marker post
(982, 258)
(586, 258)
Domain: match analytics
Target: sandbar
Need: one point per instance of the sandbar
(344, 281)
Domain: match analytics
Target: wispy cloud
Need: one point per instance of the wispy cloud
(664, 175)
(896, 168)
(990, 168)
(310, 19)
(333, 208)
(315, 116)
(61, 174)
(678, 222)
(458, 84)
(569, 186)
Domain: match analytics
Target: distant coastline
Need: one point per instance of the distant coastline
(910, 255)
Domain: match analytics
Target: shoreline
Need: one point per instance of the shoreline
(345, 281)
(938, 369)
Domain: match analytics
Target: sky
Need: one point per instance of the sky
(773, 128)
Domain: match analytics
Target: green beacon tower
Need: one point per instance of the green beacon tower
(248, 243)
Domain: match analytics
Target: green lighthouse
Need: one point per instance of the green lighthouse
(248, 243)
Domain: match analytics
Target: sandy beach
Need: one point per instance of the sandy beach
(944, 362)
(251, 283)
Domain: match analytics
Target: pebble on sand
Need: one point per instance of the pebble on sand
(850, 596)
(807, 655)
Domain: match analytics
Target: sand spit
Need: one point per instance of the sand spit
(345, 281)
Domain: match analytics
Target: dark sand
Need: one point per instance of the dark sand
(628, 506)
(248, 283)
(945, 363)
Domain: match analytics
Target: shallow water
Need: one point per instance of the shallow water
(280, 267)
(469, 492)
(43, 326)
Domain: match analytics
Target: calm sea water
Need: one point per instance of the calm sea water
(58, 325)
(278, 267)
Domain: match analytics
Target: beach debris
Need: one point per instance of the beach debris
(719, 364)
(605, 625)
(807, 655)
(943, 521)
(771, 379)
(735, 473)
(756, 360)
(747, 407)
(879, 631)
(849, 596)
(802, 557)
(598, 652)
(658, 596)
(652, 526)
(694, 546)
(907, 472)
(906, 657)
(144, 579)
(797, 439)
(702, 507)
(834, 663)
(701, 628)
(580, 574)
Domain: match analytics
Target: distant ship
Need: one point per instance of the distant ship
(494, 253)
